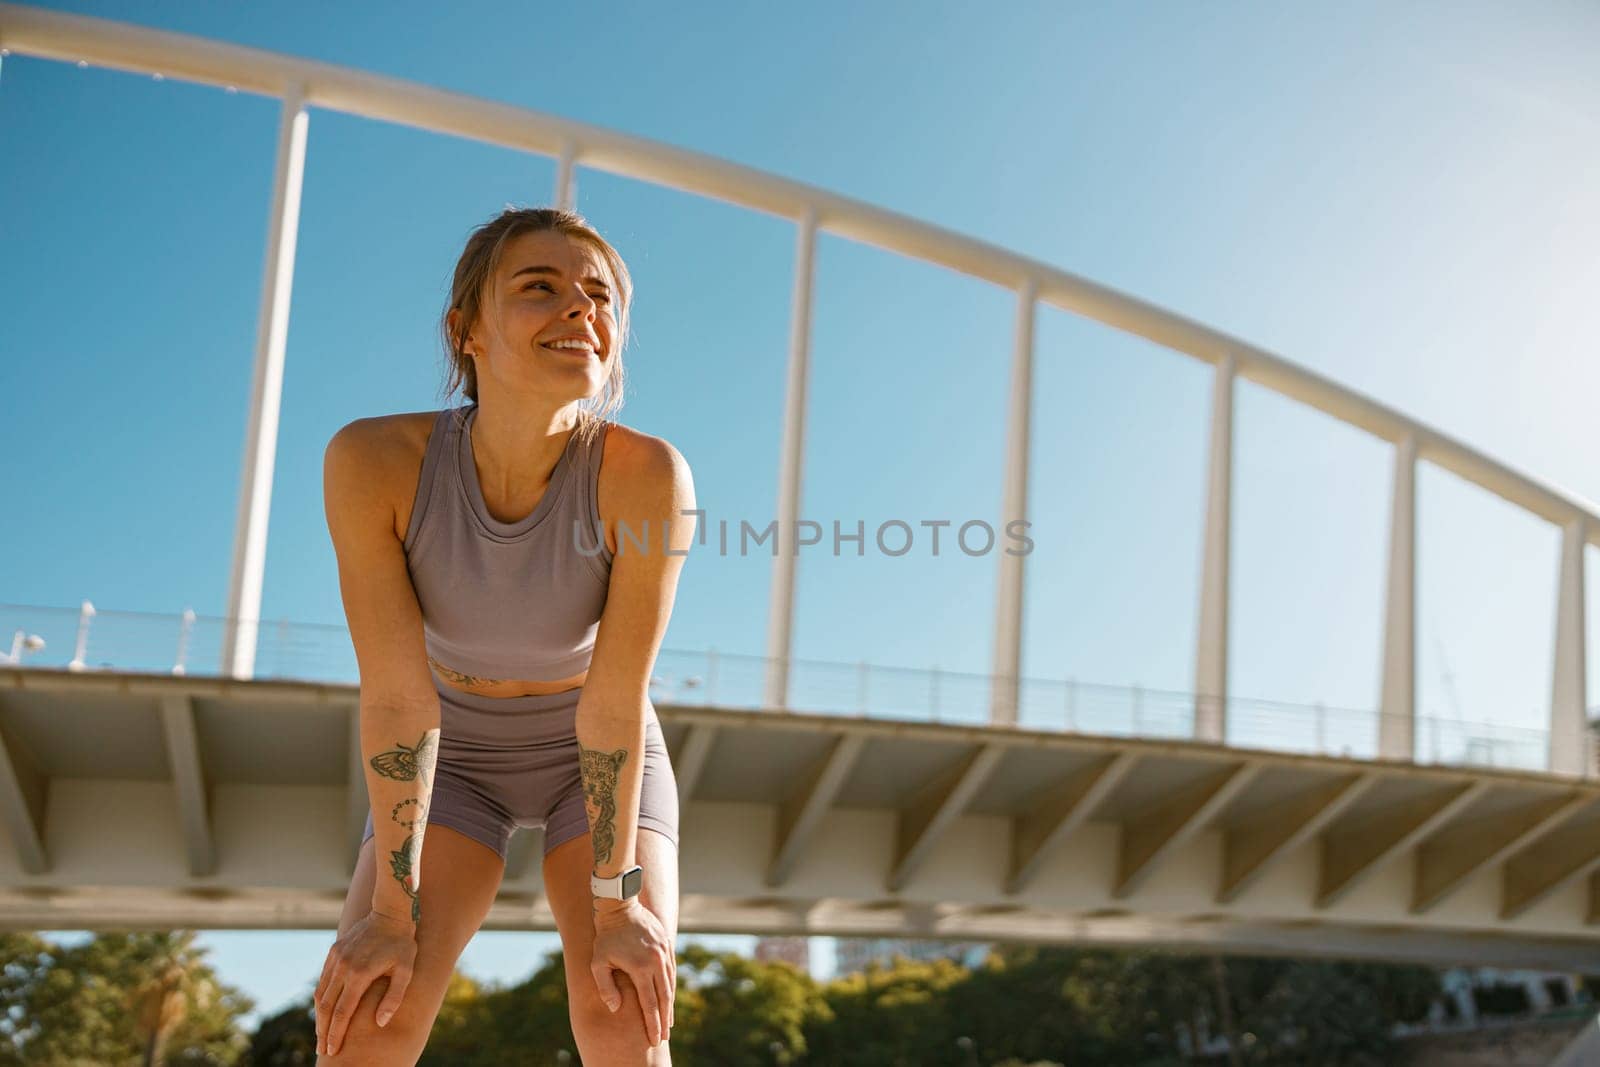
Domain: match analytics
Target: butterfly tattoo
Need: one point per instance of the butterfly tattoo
(404, 762)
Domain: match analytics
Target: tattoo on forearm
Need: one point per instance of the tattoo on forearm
(458, 678)
(405, 762)
(410, 763)
(600, 772)
(406, 870)
(412, 807)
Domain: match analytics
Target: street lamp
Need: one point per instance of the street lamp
(23, 641)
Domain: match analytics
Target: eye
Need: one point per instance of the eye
(598, 297)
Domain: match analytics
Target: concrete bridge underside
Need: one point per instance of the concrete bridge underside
(159, 801)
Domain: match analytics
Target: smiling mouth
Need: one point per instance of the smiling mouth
(583, 352)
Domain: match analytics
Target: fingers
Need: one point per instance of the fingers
(329, 965)
(344, 1011)
(607, 985)
(672, 987)
(327, 995)
(650, 1004)
(662, 1000)
(399, 979)
(325, 1004)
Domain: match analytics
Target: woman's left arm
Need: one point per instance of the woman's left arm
(648, 488)
(649, 497)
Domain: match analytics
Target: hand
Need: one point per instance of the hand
(375, 946)
(632, 940)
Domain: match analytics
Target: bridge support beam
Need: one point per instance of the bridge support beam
(1147, 840)
(1362, 850)
(780, 612)
(1003, 698)
(689, 762)
(1211, 651)
(1556, 860)
(1397, 717)
(1249, 850)
(1571, 746)
(1449, 859)
(801, 815)
(24, 790)
(939, 805)
(266, 394)
(1063, 808)
(189, 782)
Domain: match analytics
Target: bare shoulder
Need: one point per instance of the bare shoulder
(646, 502)
(378, 437)
(641, 472)
(389, 450)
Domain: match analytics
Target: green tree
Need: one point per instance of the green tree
(899, 1014)
(1041, 1002)
(166, 984)
(746, 1012)
(1030, 1003)
(484, 1026)
(287, 1039)
(728, 1011)
(118, 998)
(1334, 1013)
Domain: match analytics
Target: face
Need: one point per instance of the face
(547, 288)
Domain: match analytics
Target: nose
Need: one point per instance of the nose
(582, 305)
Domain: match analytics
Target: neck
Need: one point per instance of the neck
(520, 444)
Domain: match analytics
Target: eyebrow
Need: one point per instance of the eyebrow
(552, 270)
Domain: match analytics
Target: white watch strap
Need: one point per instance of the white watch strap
(610, 888)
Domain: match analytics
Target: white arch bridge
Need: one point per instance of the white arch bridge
(828, 798)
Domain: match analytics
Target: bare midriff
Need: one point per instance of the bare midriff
(502, 687)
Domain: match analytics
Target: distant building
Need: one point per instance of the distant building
(1476, 990)
(854, 953)
(793, 950)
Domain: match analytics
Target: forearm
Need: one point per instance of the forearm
(399, 747)
(611, 763)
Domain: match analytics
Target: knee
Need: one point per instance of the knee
(366, 1043)
(607, 1036)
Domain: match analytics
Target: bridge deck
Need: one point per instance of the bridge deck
(153, 800)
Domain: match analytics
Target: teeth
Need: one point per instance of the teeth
(569, 344)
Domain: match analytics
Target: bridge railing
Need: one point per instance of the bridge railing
(89, 639)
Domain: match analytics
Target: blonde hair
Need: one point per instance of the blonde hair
(476, 267)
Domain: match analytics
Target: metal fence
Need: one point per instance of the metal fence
(151, 642)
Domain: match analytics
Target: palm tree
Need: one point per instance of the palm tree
(167, 986)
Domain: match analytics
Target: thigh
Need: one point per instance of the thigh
(460, 878)
(604, 1036)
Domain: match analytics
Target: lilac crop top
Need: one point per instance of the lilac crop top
(499, 599)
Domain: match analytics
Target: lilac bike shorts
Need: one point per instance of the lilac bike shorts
(509, 762)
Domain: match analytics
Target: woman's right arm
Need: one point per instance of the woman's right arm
(399, 710)
(399, 705)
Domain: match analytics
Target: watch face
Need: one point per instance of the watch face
(632, 882)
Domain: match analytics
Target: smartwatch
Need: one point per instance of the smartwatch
(618, 886)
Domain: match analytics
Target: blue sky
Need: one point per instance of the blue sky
(1398, 198)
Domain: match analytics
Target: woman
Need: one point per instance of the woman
(482, 542)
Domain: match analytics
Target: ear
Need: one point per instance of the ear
(453, 322)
